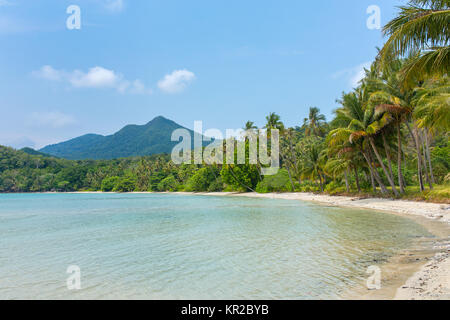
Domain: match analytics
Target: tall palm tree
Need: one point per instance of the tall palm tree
(273, 122)
(421, 31)
(315, 160)
(390, 96)
(432, 111)
(392, 102)
(432, 105)
(249, 126)
(358, 131)
(369, 129)
(315, 123)
(343, 157)
(288, 154)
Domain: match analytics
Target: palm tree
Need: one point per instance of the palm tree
(249, 126)
(354, 115)
(336, 167)
(390, 96)
(432, 111)
(288, 154)
(314, 161)
(273, 122)
(315, 123)
(421, 31)
(394, 111)
(343, 157)
(433, 105)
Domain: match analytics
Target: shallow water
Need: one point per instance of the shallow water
(164, 246)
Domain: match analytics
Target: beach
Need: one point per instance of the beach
(429, 268)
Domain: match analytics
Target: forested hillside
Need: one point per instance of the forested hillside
(132, 140)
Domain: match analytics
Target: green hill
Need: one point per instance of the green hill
(33, 152)
(132, 140)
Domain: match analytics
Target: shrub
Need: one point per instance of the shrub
(125, 184)
(333, 186)
(109, 183)
(200, 180)
(216, 185)
(277, 183)
(307, 186)
(168, 184)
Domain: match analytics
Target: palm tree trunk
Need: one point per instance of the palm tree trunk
(427, 148)
(399, 159)
(290, 177)
(346, 181)
(366, 177)
(286, 164)
(374, 173)
(380, 160)
(320, 181)
(427, 175)
(357, 179)
(388, 155)
(296, 173)
(372, 180)
(419, 162)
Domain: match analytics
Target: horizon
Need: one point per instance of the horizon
(131, 61)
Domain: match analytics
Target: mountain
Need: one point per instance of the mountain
(132, 140)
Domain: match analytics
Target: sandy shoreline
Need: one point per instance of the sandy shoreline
(429, 273)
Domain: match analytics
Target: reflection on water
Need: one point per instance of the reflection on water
(149, 246)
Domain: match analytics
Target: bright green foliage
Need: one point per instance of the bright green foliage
(276, 183)
(168, 184)
(201, 180)
(109, 183)
(125, 184)
(241, 177)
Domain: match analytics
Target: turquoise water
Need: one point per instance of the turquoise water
(150, 246)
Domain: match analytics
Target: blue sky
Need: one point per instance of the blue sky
(222, 62)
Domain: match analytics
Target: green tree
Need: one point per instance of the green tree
(315, 123)
(420, 30)
(168, 184)
(109, 183)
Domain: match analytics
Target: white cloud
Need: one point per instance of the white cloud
(176, 82)
(114, 5)
(96, 77)
(50, 119)
(354, 74)
(48, 73)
